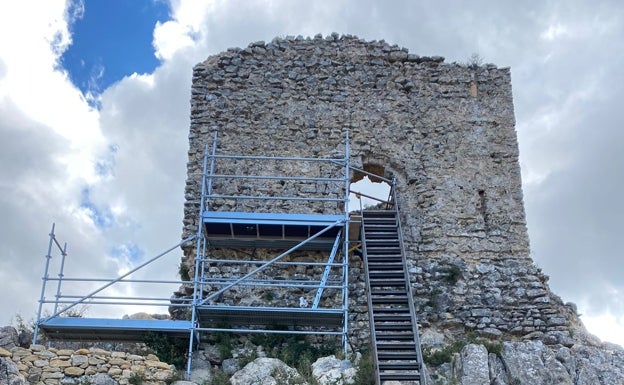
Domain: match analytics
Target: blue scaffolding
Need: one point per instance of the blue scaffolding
(314, 219)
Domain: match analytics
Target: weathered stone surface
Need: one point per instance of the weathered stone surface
(65, 352)
(596, 365)
(41, 363)
(60, 363)
(73, 371)
(332, 371)
(36, 347)
(4, 353)
(151, 357)
(9, 337)
(230, 365)
(498, 375)
(66, 367)
(103, 379)
(266, 371)
(471, 367)
(200, 375)
(79, 360)
(115, 371)
(9, 374)
(531, 363)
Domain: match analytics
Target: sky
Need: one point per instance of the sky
(94, 117)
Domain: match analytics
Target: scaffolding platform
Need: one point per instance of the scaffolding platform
(269, 316)
(270, 230)
(316, 218)
(105, 329)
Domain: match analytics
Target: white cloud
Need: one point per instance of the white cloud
(554, 31)
(130, 155)
(171, 36)
(50, 147)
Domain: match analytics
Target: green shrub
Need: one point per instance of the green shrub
(184, 272)
(453, 274)
(268, 296)
(294, 350)
(136, 378)
(438, 357)
(495, 347)
(168, 349)
(365, 374)
(224, 343)
(434, 299)
(244, 360)
(218, 377)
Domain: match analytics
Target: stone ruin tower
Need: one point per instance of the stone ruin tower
(444, 132)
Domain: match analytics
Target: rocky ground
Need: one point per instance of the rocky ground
(584, 361)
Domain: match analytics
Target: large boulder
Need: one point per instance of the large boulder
(332, 371)
(200, 368)
(532, 363)
(594, 365)
(471, 367)
(266, 371)
(9, 338)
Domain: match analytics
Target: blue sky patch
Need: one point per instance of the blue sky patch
(105, 166)
(129, 251)
(102, 217)
(111, 40)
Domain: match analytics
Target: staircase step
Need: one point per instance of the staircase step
(385, 265)
(389, 292)
(380, 225)
(392, 318)
(378, 212)
(395, 337)
(383, 327)
(382, 251)
(399, 376)
(396, 356)
(367, 218)
(387, 275)
(384, 240)
(407, 346)
(398, 366)
(388, 301)
(387, 282)
(373, 234)
(382, 244)
(384, 258)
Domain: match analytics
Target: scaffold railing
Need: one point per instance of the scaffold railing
(264, 260)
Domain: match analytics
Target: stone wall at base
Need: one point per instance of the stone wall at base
(49, 366)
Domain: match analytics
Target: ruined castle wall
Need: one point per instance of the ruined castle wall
(444, 131)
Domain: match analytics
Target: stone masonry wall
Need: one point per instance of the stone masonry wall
(49, 366)
(444, 131)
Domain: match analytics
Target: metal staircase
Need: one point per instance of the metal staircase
(394, 331)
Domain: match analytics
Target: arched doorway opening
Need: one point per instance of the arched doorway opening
(369, 188)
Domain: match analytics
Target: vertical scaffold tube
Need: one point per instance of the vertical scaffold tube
(60, 276)
(345, 258)
(200, 247)
(43, 284)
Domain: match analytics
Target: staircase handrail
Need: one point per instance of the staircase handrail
(423, 374)
(373, 336)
